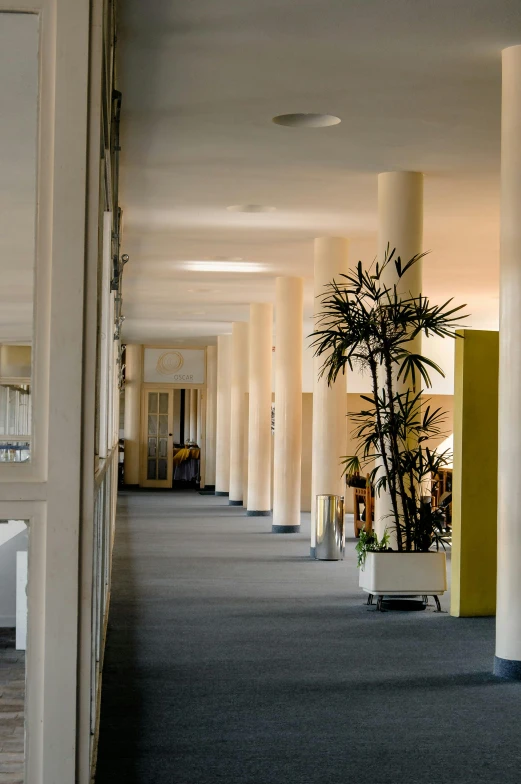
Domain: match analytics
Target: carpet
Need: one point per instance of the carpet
(231, 657)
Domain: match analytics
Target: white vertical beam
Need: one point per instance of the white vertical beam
(400, 228)
(288, 404)
(211, 413)
(329, 402)
(259, 441)
(222, 457)
(239, 388)
(507, 663)
(132, 424)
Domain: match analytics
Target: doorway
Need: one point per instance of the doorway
(172, 452)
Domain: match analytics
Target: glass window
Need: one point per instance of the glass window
(14, 541)
(15, 423)
(18, 146)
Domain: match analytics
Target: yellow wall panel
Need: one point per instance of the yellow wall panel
(475, 474)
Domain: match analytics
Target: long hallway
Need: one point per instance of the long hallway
(232, 657)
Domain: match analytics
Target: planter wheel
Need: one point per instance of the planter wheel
(380, 598)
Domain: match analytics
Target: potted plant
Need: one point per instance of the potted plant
(366, 323)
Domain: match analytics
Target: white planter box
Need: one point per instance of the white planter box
(407, 574)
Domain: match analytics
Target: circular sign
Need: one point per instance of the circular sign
(169, 362)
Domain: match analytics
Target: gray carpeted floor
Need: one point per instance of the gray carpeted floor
(231, 657)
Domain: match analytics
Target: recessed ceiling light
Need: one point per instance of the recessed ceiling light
(250, 208)
(305, 120)
(222, 266)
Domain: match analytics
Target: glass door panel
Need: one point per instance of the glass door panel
(159, 405)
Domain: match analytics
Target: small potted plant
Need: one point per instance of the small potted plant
(367, 324)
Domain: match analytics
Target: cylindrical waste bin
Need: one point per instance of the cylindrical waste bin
(329, 521)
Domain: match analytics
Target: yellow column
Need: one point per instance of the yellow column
(259, 441)
(474, 487)
(239, 388)
(288, 405)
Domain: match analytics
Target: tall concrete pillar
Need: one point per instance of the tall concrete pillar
(259, 440)
(288, 404)
(400, 226)
(329, 402)
(133, 380)
(222, 458)
(193, 414)
(211, 413)
(239, 389)
(507, 663)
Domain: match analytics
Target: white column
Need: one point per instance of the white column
(329, 402)
(507, 662)
(239, 388)
(193, 414)
(400, 226)
(133, 375)
(186, 420)
(211, 413)
(199, 428)
(259, 438)
(288, 404)
(222, 457)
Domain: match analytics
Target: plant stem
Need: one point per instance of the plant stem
(383, 450)
(395, 450)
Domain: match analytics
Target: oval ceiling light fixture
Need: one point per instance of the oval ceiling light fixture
(222, 266)
(250, 208)
(306, 120)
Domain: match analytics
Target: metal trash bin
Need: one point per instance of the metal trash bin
(330, 529)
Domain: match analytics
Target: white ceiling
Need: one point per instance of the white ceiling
(417, 85)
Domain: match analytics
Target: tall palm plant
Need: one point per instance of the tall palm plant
(366, 323)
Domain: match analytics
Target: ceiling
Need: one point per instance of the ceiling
(417, 86)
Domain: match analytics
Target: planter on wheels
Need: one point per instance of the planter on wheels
(404, 574)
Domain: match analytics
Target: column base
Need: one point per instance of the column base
(313, 553)
(220, 492)
(509, 669)
(235, 503)
(285, 529)
(257, 513)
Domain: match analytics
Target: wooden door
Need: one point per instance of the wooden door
(158, 437)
